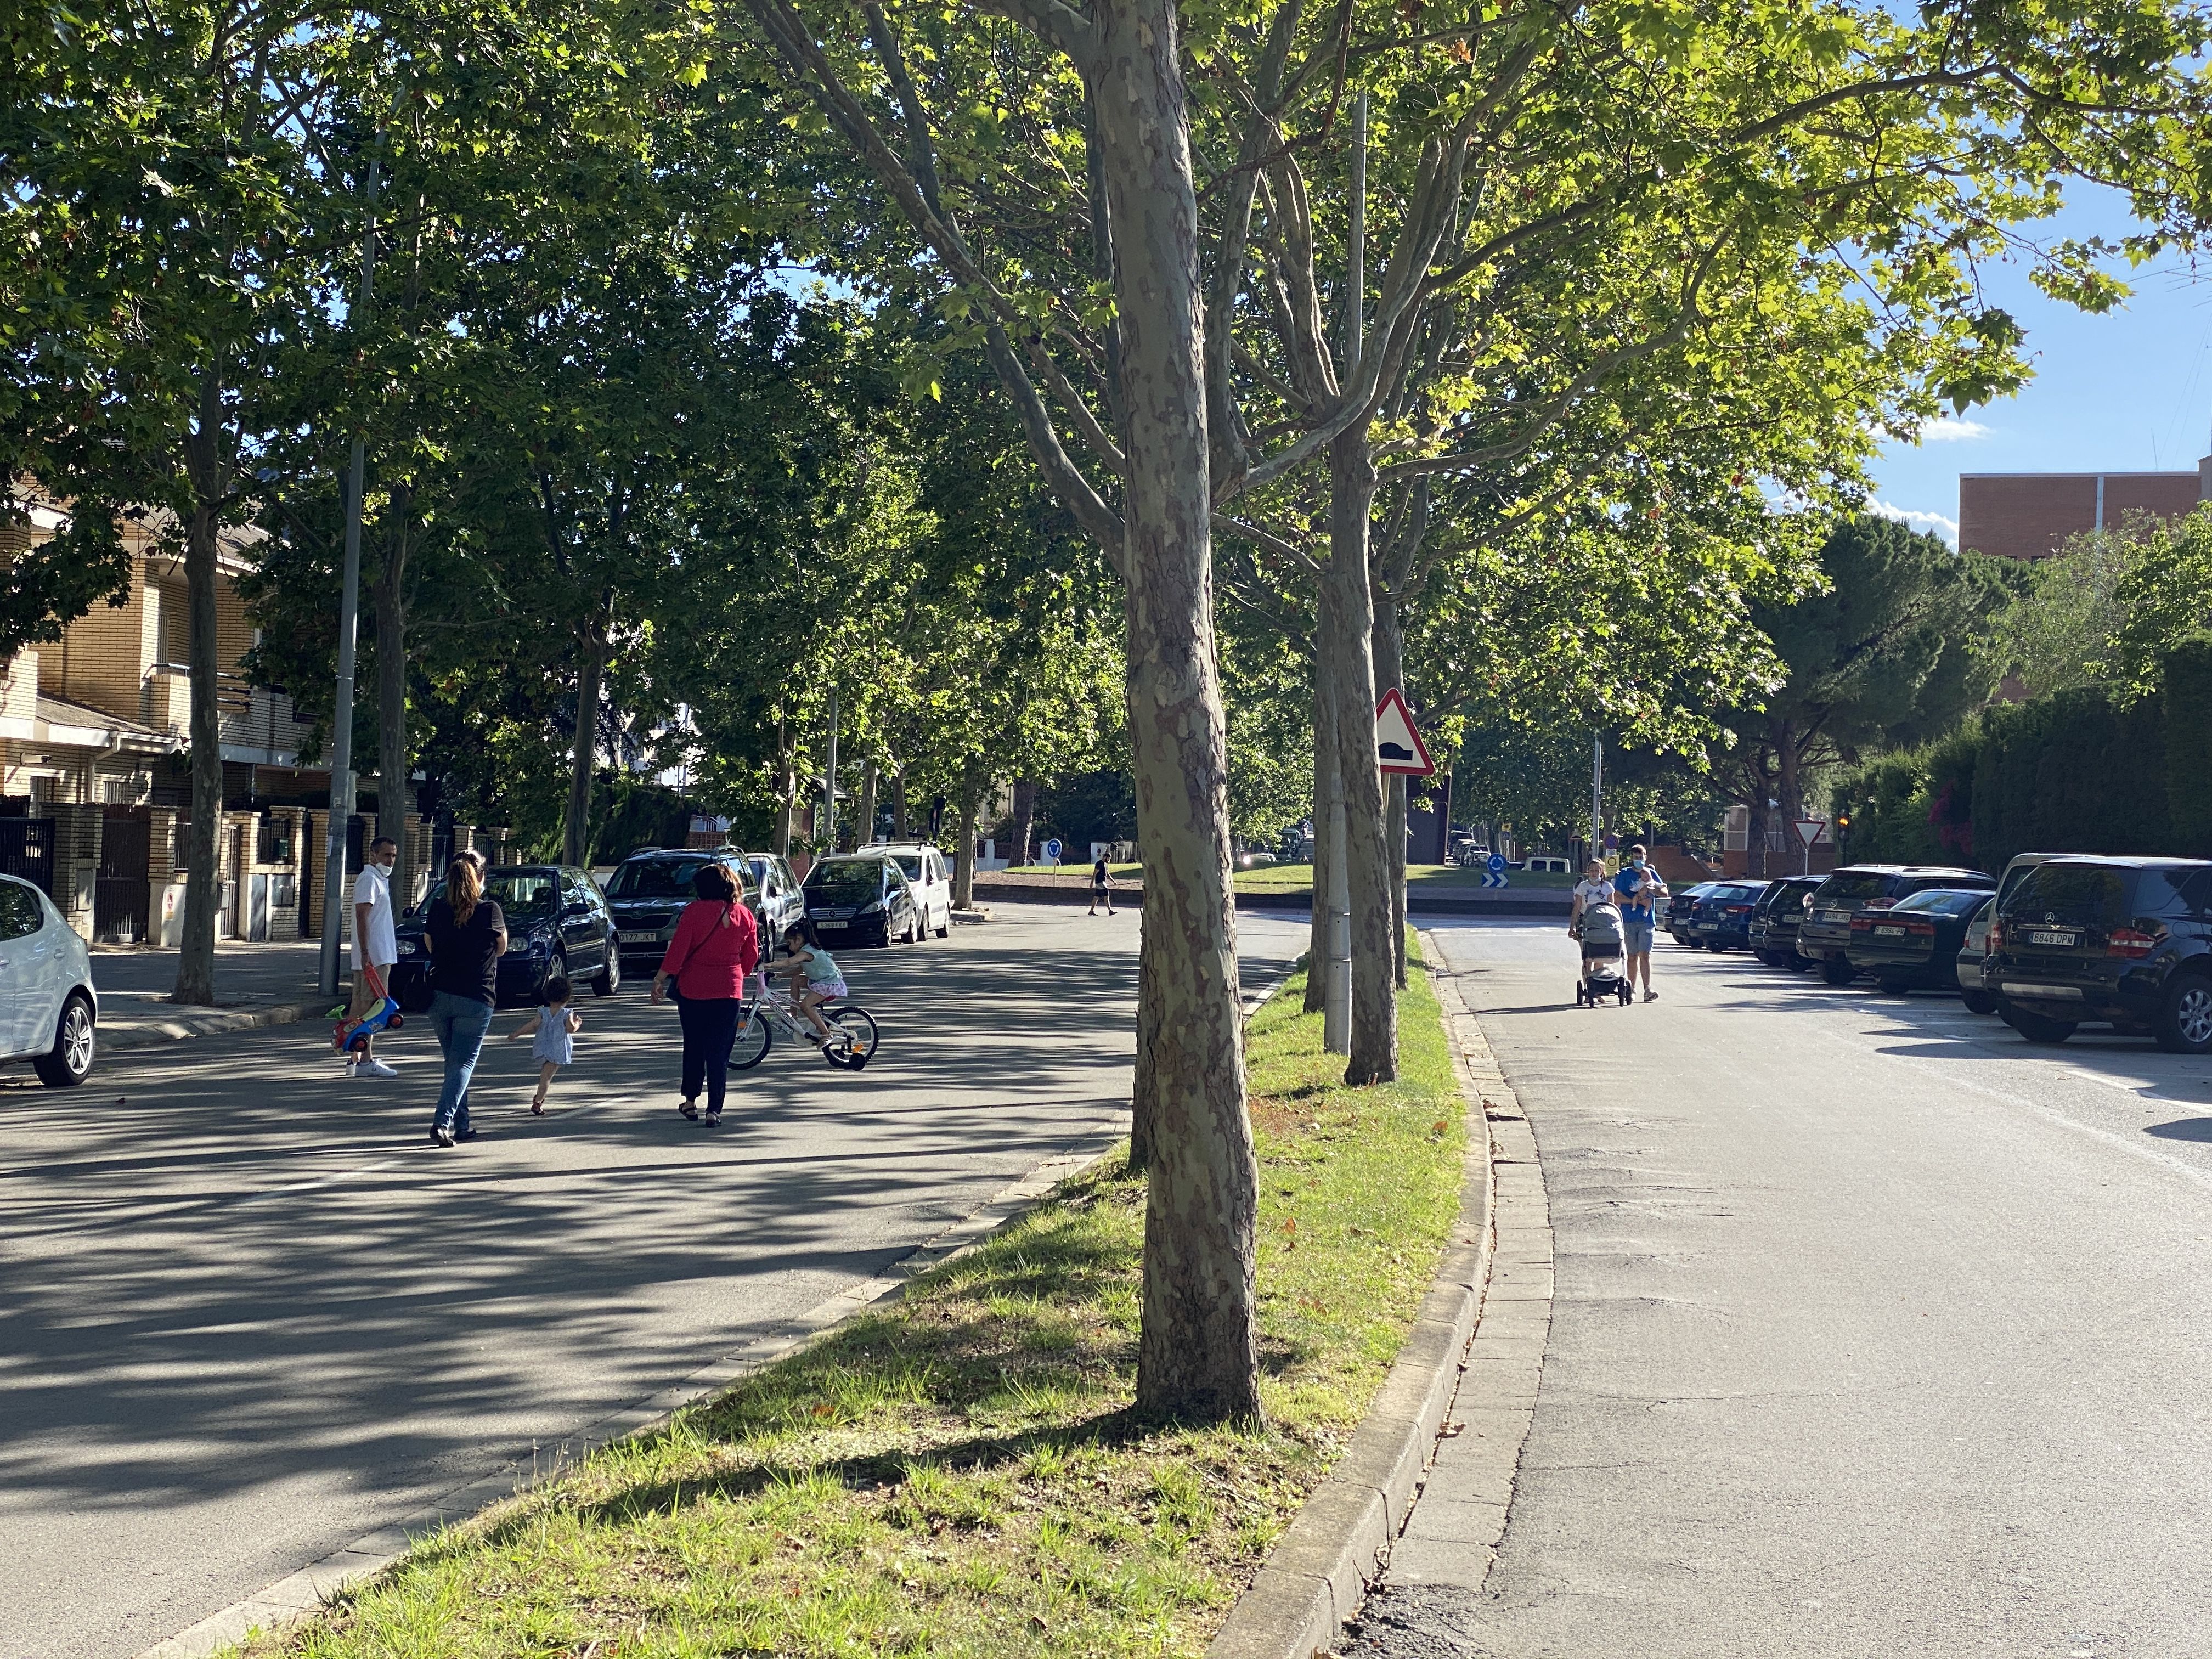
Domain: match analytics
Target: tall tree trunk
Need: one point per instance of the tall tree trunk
(1025, 819)
(1789, 786)
(898, 803)
(964, 855)
(204, 464)
(1347, 628)
(865, 830)
(1198, 1356)
(590, 674)
(395, 790)
(1390, 670)
(1324, 844)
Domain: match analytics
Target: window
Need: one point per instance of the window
(2078, 895)
(19, 911)
(656, 879)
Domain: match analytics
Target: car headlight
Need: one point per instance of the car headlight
(526, 947)
(407, 947)
(869, 910)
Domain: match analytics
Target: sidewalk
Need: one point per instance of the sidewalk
(254, 985)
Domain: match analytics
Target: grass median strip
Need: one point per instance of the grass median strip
(958, 1474)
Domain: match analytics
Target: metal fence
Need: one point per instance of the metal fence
(27, 849)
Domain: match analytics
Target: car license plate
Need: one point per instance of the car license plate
(641, 938)
(1835, 915)
(1889, 933)
(2054, 939)
(831, 927)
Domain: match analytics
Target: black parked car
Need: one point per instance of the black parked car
(1722, 921)
(1974, 988)
(648, 892)
(2127, 941)
(1775, 921)
(862, 896)
(1680, 908)
(557, 922)
(1825, 936)
(1914, 944)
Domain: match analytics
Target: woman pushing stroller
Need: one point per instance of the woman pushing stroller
(1593, 918)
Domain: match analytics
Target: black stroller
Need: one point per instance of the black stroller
(1604, 959)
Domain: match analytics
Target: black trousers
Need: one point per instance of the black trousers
(710, 1026)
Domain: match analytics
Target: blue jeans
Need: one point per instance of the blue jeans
(460, 1024)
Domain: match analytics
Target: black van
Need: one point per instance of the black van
(1780, 914)
(2123, 940)
(1825, 936)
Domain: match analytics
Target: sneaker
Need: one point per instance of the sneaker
(440, 1137)
(1651, 995)
(374, 1068)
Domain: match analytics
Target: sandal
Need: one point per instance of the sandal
(714, 1120)
(687, 1109)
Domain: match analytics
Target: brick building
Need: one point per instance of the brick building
(2026, 515)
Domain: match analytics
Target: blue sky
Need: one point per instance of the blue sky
(2128, 391)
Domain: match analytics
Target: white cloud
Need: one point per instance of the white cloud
(1949, 428)
(1946, 528)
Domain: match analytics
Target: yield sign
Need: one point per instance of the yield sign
(1398, 746)
(1812, 831)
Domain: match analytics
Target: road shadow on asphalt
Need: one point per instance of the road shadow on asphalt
(228, 1267)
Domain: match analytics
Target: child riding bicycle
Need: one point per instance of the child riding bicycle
(815, 978)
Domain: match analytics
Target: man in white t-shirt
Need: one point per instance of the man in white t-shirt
(375, 941)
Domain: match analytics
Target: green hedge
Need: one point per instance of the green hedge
(2079, 771)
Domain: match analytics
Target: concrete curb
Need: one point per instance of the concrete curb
(1531, 903)
(306, 1592)
(183, 1022)
(1336, 1548)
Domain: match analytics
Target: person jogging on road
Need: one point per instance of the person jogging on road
(1640, 889)
(375, 947)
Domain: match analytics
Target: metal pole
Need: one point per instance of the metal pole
(342, 783)
(1597, 796)
(829, 788)
(1336, 1010)
(1336, 998)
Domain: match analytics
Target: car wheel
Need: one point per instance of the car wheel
(1837, 971)
(69, 1062)
(1895, 987)
(1979, 1002)
(1717, 945)
(2185, 1017)
(610, 979)
(2039, 1027)
(945, 925)
(557, 967)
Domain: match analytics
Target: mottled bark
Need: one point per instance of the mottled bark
(1198, 1355)
(590, 674)
(963, 855)
(1024, 820)
(787, 795)
(864, 831)
(1348, 669)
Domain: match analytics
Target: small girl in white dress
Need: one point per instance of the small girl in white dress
(555, 1027)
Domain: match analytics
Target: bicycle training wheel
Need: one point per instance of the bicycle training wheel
(753, 1043)
(853, 1037)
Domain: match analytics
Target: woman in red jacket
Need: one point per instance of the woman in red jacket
(716, 946)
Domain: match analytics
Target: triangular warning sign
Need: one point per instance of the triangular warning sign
(1398, 746)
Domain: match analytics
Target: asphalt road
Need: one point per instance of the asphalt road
(247, 1314)
(1877, 1331)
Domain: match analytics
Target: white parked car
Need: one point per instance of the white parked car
(930, 874)
(48, 1009)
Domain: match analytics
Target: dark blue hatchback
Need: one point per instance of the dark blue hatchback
(558, 923)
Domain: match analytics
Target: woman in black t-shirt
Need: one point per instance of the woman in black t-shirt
(465, 934)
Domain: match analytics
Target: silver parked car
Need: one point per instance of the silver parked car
(48, 1009)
